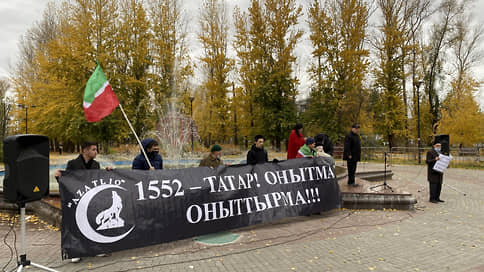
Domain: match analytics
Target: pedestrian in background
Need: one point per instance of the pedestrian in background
(352, 152)
(296, 140)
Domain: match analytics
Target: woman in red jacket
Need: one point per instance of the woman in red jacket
(296, 140)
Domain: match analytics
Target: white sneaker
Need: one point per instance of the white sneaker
(75, 260)
(102, 255)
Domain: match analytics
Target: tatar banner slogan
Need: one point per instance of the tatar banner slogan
(107, 211)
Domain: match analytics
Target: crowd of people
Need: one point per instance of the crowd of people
(298, 147)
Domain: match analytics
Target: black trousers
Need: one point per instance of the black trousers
(351, 171)
(435, 189)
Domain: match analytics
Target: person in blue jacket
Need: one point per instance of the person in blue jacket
(152, 150)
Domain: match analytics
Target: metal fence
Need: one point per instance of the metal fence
(410, 155)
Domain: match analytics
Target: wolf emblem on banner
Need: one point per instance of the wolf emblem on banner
(109, 218)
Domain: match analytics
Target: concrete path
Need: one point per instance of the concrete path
(434, 237)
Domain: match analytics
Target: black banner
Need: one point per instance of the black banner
(106, 211)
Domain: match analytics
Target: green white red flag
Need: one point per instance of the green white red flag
(99, 98)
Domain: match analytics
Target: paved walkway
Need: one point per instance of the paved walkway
(434, 237)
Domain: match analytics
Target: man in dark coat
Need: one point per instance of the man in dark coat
(352, 152)
(152, 150)
(434, 177)
(257, 154)
(85, 161)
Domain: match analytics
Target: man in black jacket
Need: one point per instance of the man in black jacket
(257, 154)
(85, 161)
(434, 177)
(352, 152)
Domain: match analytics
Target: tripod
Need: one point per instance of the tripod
(23, 256)
(384, 185)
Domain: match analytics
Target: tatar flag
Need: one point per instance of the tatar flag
(99, 97)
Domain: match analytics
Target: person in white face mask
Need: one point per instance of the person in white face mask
(213, 159)
(434, 177)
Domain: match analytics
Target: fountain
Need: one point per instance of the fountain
(174, 131)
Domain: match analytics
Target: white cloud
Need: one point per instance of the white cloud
(15, 18)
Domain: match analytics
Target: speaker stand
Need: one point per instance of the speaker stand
(23, 256)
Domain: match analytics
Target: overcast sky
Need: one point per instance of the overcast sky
(16, 16)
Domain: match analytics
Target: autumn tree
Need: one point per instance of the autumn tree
(419, 11)
(57, 58)
(245, 62)
(267, 59)
(390, 118)
(412, 15)
(5, 107)
(216, 66)
(338, 31)
(171, 66)
(85, 33)
(25, 72)
(461, 117)
(133, 63)
(447, 14)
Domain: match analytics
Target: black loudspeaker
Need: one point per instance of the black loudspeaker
(444, 142)
(26, 159)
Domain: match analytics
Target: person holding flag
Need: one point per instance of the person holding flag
(151, 148)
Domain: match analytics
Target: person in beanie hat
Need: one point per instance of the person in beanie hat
(213, 158)
(352, 152)
(308, 149)
(434, 177)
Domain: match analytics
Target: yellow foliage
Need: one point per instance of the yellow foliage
(461, 116)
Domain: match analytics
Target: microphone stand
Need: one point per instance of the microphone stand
(384, 185)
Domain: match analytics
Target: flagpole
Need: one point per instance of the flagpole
(134, 132)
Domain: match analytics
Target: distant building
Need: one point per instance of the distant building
(302, 104)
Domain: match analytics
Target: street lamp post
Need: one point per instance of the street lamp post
(26, 114)
(236, 142)
(418, 119)
(191, 117)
